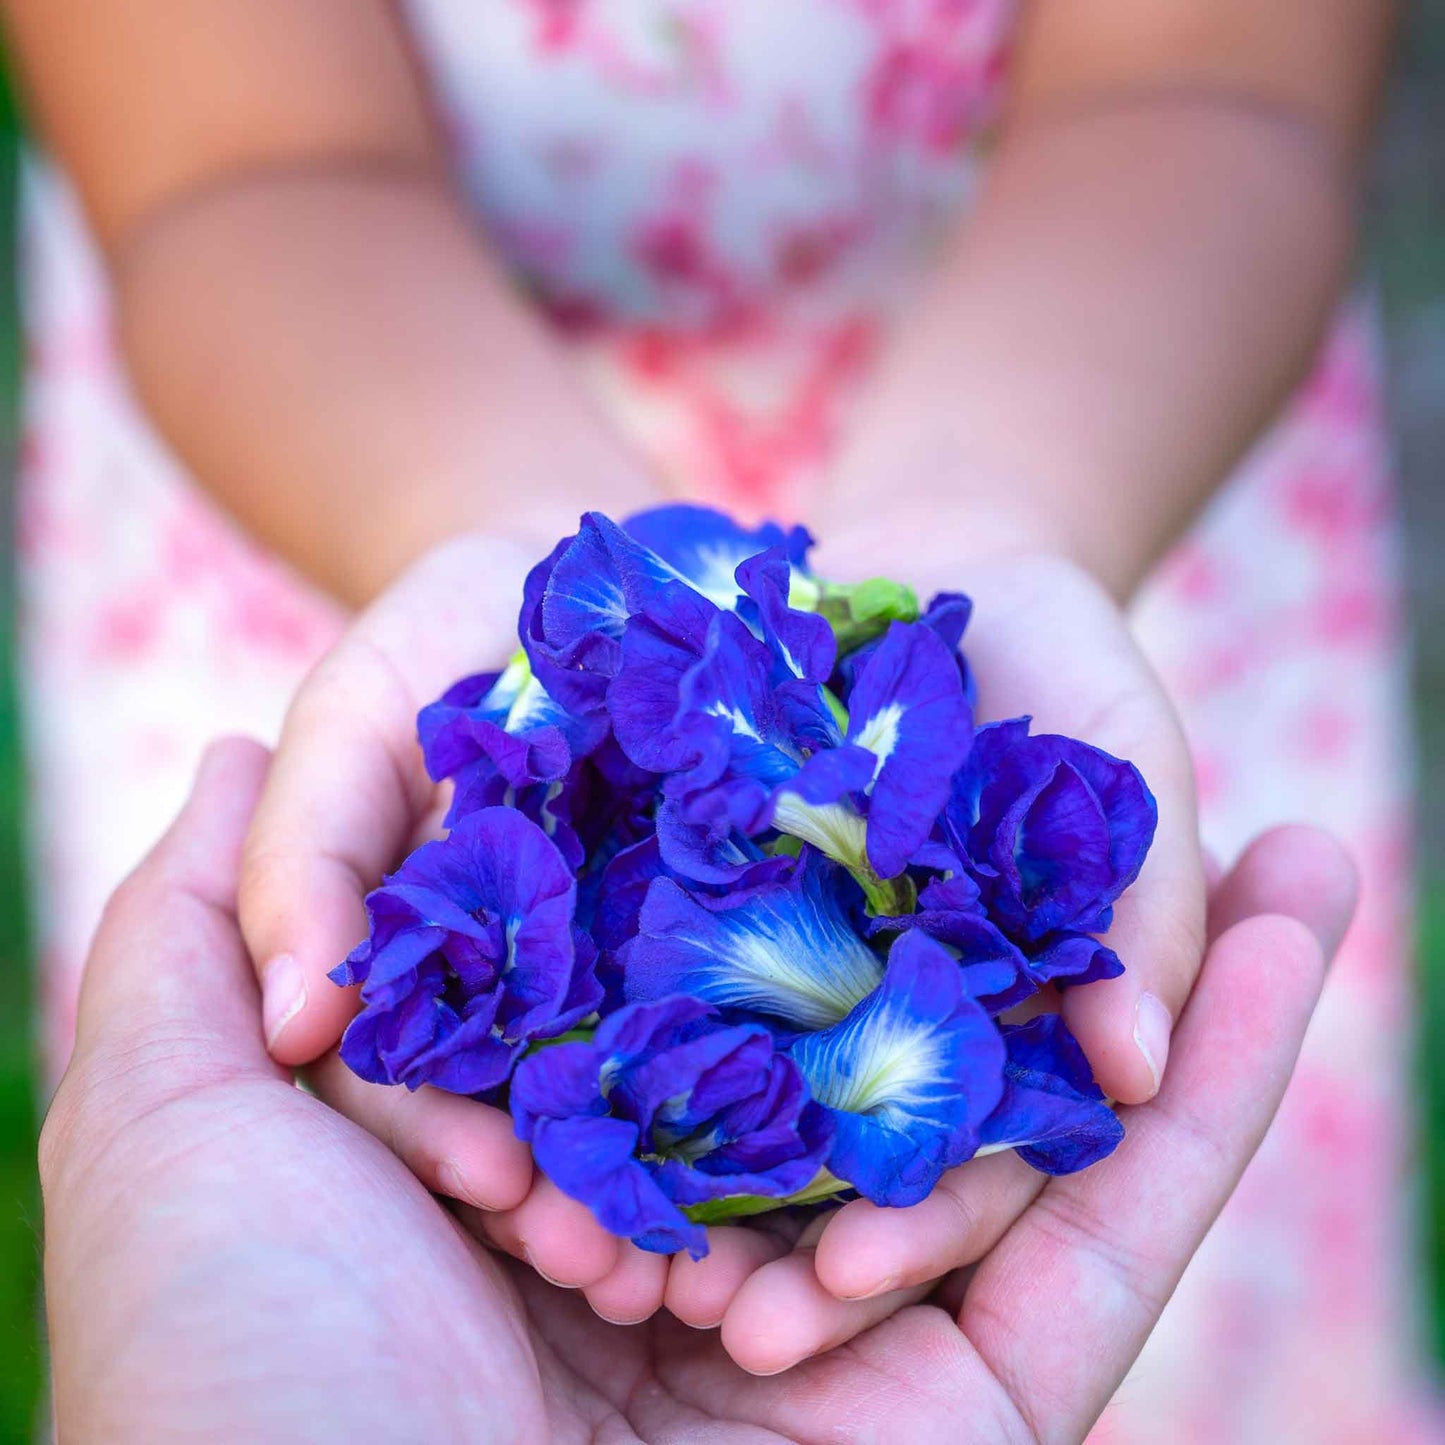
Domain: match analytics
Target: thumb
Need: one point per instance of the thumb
(168, 982)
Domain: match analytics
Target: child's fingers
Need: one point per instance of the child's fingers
(1093, 1262)
(1296, 870)
(782, 1315)
(167, 967)
(632, 1290)
(347, 788)
(557, 1236)
(458, 1147)
(699, 1291)
(867, 1251)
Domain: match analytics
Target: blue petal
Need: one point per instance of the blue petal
(910, 1076)
(784, 950)
(909, 711)
(1052, 1112)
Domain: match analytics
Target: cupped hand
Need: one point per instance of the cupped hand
(229, 1258)
(346, 798)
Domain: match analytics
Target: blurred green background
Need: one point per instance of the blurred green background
(1406, 241)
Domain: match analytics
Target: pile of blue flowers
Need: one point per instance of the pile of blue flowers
(736, 897)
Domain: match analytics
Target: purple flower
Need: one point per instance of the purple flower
(910, 1076)
(667, 1108)
(1051, 1112)
(1051, 829)
(472, 954)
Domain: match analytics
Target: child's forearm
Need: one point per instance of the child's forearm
(1143, 284)
(334, 356)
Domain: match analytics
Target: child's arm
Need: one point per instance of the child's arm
(1158, 247)
(307, 314)
(1160, 241)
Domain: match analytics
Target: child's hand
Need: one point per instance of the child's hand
(346, 798)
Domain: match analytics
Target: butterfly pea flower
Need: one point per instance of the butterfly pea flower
(472, 954)
(910, 1075)
(782, 950)
(1052, 1112)
(578, 601)
(1052, 830)
(751, 752)
(665, 1109)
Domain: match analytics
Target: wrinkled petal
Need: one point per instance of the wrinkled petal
(666, 1105)
(1053, 829)
(471, 955)
(1051, 1111)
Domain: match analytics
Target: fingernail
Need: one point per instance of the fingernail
(884, 1286)
(453, 1183)
(560, 1284)
(283, 995)
(1152, 1027)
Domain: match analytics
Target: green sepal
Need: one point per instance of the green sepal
(862, 611)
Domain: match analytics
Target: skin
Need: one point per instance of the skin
(315, 327)
(229, 1258)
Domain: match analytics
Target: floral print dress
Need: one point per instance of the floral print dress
(721, 207)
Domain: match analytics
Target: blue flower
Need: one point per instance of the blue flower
(1052, 1112)
(501, 730)
(665, 1108)
(578, 601)
(1052, 830)
(472, 954)
(782, 950)
(910, 1076)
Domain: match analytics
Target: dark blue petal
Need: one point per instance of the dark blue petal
(1054, 830)
(592, 1160)
(664, 1106)
(1052, 1112)
(471, 955)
